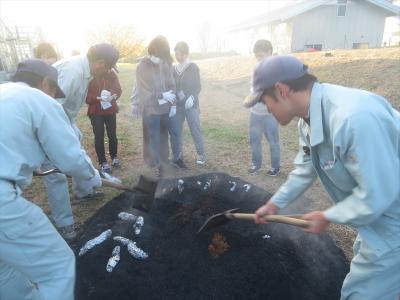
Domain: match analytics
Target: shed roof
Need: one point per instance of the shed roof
(289, 12)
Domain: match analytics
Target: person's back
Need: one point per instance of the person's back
(15, 100)
(27, 137)
(29, 110)
(74, 77)
(350, 110)
(34, 128)
(351, 101)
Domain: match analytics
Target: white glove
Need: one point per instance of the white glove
(109, 177)
(189, 102)
(105, 105)
(106, 96)
(93, 182)
(172, 111)
(169, 96)
(136, 111)
(181, 95)
(162, 101)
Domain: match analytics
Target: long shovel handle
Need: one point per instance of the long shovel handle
(272, 218)
(105, 182)
(115, 185)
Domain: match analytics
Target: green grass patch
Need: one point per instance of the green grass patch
(223, 134)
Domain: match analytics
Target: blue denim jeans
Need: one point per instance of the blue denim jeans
(154, 123)
(267, 125)
(192, 116)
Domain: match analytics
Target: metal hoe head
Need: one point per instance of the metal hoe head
(217, 220)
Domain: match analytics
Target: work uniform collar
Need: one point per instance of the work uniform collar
(317, 129)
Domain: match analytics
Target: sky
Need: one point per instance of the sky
(66, 23)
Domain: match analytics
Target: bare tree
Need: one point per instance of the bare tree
(205, 37)
(124, 37)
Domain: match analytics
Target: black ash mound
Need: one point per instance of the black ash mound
(239, 260)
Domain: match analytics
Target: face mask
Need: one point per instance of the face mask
(155, 60)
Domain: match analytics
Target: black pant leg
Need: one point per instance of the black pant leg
(98, 131)
(111, 127)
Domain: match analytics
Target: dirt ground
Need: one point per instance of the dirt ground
(225, 125)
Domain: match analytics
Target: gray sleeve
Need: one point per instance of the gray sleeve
(59, 141)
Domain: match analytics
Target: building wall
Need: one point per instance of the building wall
(363, 23)
(391, 36)
(243, 41)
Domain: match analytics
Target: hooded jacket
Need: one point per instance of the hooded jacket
(151, 81)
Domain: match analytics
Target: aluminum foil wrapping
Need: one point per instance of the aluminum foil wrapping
(207, 185)
(96, 241)
(122, 240)
(232, 189)
(127, 216)
(246, 187)
(134, 250)
(138, 225)
(114, 259)
(180, 186)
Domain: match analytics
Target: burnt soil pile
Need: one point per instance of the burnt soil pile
(273, 261)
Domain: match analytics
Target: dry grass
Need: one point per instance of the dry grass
(225, 123)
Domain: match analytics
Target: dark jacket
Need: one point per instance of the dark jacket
(151, 81)
(110, 83)
(189, 83)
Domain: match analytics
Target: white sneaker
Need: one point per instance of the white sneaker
(116, 163)
(105, 167)
(201, 160)
(273, 172)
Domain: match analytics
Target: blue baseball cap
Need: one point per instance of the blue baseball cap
(281, 68)
(42, 69)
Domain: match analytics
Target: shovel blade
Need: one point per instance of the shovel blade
(217, 220)
(146, 185)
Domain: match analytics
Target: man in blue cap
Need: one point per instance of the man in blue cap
(35, 261)
(350, 139)
(74, 75)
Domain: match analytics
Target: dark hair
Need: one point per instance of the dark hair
(45, 50)
(31, 79)
(93, 56)
(262, 46)
(159, 47)
(295, 85)
(182, 47)
(103, 51)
